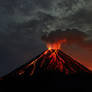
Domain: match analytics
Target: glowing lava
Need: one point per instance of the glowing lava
(53, 46)
(56, 45)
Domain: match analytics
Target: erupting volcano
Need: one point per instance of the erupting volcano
(51, 68)
(52, 59)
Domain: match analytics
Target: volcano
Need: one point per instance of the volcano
(52, 67)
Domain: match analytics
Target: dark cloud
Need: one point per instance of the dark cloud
(73, 36)
(43, 3)
(81, 17)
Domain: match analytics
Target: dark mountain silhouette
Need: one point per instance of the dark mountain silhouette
(53, 69)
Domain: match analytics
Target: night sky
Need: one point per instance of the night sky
(24, 22)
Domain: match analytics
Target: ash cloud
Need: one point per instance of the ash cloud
(73, 36)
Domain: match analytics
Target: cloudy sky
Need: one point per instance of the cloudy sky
(24, 22)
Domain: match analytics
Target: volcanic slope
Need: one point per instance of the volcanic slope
(53, 68)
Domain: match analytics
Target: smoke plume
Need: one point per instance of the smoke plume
(72, 36)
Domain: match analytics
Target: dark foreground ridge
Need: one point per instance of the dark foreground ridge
(53, 69)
